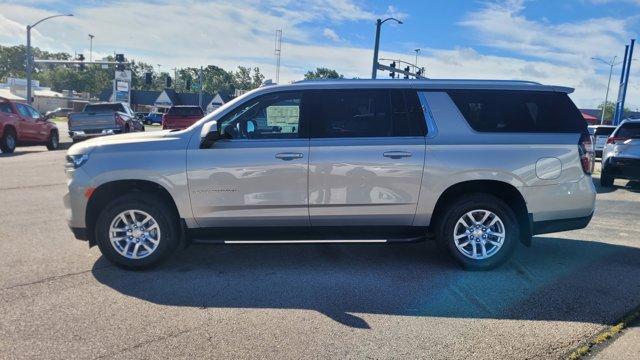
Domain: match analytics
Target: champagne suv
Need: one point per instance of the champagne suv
(480, 166)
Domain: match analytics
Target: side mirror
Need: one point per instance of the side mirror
(209, 134)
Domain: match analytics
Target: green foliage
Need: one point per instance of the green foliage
(322, 73)
(609, 110)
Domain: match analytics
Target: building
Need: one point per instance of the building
(597, 113)
(161, 101)
(44, 99)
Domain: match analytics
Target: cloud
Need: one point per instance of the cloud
(230, 33)
(331, 35)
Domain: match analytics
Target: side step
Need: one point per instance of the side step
(317, 241)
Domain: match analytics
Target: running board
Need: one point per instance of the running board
(348, 241)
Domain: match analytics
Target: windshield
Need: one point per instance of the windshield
(103, 107)
(186, 111)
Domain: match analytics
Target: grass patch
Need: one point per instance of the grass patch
(605, 335)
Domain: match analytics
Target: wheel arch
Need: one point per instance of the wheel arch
(500, 189)
(108, 191)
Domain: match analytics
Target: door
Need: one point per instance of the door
(41, 130)
(27, 127)
(367, 153)
(257, 175)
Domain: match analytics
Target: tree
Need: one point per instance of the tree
(609, 110)
(322, 73)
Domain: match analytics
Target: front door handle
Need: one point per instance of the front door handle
(396, 154)
(288, 156)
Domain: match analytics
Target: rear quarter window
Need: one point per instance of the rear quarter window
(519, 111)
(185, 111)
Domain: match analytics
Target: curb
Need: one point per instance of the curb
(600, 339)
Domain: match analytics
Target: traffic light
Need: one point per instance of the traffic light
(148, 78)
(120, 59)
(418, 73)
(392, 74)
(80, 57)
(168, 81)
(407, 70)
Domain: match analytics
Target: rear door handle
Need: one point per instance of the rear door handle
(288, 156)
(396, 154)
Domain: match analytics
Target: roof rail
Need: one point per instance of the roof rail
(523, 82)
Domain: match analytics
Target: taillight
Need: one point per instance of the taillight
(585, 149)
(616, 139)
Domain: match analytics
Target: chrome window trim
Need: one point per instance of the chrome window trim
(432, 129)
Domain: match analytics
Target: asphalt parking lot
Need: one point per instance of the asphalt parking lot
(62, 300)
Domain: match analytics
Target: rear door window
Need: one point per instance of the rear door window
(629, 130)
(365, 113)
(186, 111)
(518, 111)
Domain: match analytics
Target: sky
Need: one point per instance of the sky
(552, 42)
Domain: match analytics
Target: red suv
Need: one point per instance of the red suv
(181, 117)
(20, 124)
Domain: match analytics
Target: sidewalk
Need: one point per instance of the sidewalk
(627, 346)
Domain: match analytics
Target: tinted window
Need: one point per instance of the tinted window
(629, 130)
(186, 111)
(104, 108)
(272, 116)
(604, 130)
(518, 111)
(5, 107)
(366, 113)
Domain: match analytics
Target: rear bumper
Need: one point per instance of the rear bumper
(551, 226)
(85, 134)
(626, 168)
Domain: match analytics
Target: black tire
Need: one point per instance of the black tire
(606, 180)
(8, 141)
(447, 222)
(54, 141)
(166, 219)
(126, 128)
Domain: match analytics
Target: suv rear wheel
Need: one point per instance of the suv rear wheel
(480, 231)
(8, 141)
(137, 231)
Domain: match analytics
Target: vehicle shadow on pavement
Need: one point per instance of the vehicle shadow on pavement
(556, 279)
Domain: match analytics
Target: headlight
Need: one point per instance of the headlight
(75, 161)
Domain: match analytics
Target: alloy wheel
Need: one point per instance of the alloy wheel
(479, 234)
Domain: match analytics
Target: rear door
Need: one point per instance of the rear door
(27, 127)
(367, 154)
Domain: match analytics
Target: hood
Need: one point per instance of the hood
(89, 145)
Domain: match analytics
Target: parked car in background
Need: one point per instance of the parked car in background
(600, 134)
(153, 118)
(103, 119)
(181, 116)
(141, 115)
(478, 165)
(59, 112)
(621, 154)
(21, 124)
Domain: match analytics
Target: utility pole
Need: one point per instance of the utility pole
(200, 87)
(376, 46)
(175, 78)
(278, 53)
(30, 57)
(91, 47)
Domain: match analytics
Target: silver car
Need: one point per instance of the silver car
(480, 166)
(621, 154)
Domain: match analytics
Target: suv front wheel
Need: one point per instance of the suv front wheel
(480, 231)
(137, 231)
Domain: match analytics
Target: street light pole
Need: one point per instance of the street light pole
(30, 57)
(376, 46)
(606, 97)
(91, 47)
(417, 52)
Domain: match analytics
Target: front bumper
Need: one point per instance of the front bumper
(623, 167)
